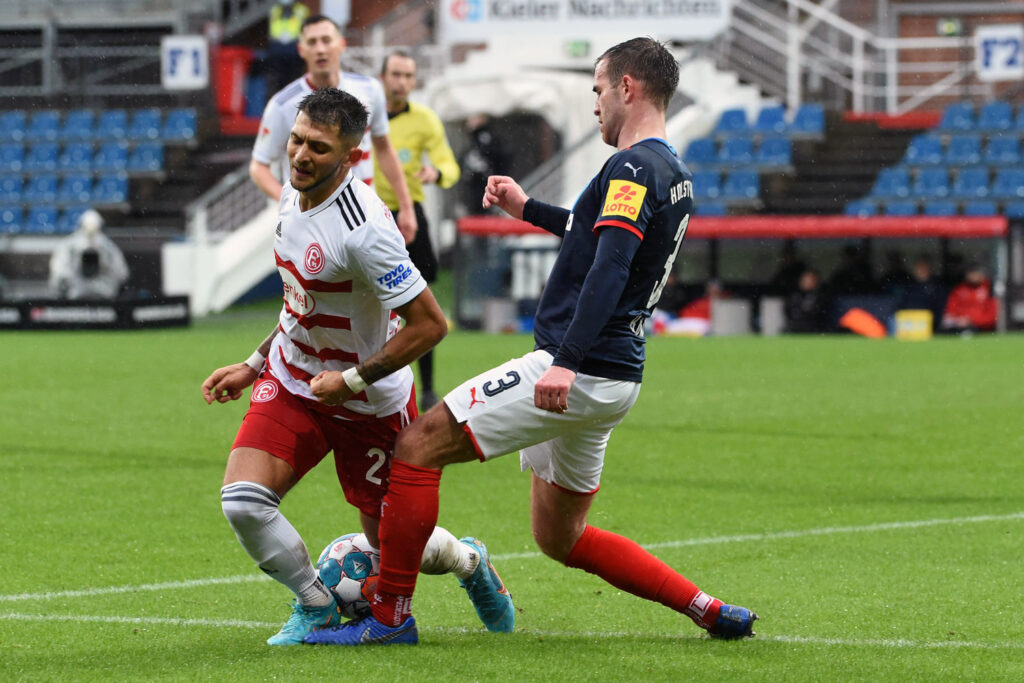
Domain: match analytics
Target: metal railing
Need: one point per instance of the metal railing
(225, 207)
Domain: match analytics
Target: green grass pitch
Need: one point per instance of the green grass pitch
(865, 497)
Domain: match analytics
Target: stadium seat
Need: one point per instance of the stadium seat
(711, 209)
(770, 121)
(932, 182)
(76, 189)
(774, 151)
(179, 126)
(940, 207)
(1018, 123)
(112, 157)
(145, 125)
(1014, 210)
(892, 182)
(76, 157)
(1002, 150)
(971, 183)
(110, 189)
(12, 126)
(736, 152)
(862, 208)
(732, 122)
(1008, 184)
(964, 150)
(995, 116)
(40, 189)
(700, 153)
(11, 217)
(41, 220)
(42, 158)
(741, 185)
(43, 126)
(112, 125)
(10, 189)
(923, 150)
(78, 126)
(981, 207)
(809, 121)
(707, 185)
(68, 219)
(12, 158)
(957, 117)
(901, 207)
(146, 158)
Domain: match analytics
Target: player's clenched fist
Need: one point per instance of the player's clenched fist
(505, 193)
(227, 383)
(329, 387)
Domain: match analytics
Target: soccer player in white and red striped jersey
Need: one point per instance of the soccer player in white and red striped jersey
(320, 46)
(333, 375)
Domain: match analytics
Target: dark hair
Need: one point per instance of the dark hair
(394, 53)
(316, 19)
(333, 107)
(646, 60)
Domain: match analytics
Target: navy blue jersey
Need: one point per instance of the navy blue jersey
(620, 243)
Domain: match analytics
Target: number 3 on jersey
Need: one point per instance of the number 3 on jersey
(680, 233)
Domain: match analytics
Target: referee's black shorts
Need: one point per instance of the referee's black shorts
(420, 249)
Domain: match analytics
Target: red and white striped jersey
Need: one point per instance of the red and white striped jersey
(344, 268)
(271, 145)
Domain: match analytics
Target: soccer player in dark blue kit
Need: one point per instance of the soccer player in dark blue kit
(558, 404)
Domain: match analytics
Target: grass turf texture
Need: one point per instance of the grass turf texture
(112, 464)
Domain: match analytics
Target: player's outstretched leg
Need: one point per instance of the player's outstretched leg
(303, 621)
(733, 622)
(366, 631)
(492, 601)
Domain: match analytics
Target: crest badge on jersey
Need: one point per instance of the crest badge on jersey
(314, 260)
(264, 391)
(624, 199)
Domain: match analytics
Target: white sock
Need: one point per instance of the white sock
(272, 541)
(444, 553)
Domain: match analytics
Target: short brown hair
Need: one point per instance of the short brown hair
(646, 60)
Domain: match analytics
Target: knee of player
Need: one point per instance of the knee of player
(247, 504)
(550, 544)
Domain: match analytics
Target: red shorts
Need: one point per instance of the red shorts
(291, 428)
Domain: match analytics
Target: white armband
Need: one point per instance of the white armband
(256, 361)
(353, 379)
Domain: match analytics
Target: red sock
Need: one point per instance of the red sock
(625, 565)
(407, 519)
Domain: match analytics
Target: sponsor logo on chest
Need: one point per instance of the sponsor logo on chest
(295, 295)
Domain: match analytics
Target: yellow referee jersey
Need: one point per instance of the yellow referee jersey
(413, 132)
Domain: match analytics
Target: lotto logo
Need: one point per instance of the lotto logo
(264, 391)
(624, 199)
(314, 260)
(625, 193)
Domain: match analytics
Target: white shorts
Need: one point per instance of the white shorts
(497, 411)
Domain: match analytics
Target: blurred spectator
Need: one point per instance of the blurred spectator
(485, 157)
(805, 308)
(791, 267)
(284, 26)
(87, 264)
(971, 306)
(895, 280)
(924, 292)
(853, 275)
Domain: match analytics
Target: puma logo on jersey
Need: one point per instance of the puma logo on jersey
(632, 168)
(473, 400)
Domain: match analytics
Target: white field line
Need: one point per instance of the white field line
(600, 635)
(741, 538)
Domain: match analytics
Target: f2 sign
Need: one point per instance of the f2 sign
(999, 52)
(184, 63)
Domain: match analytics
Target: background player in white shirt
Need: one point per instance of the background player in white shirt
(321, 45)
(333, 375)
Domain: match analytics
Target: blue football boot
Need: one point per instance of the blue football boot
(366, 631)
(304, 620)
(733, 622)
(491, 599)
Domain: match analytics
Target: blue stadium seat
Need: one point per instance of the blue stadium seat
(110, 189)
(700, 152)
(892, 182)
(11, 217)
(76, 189)
(40, 189)
(923, 150)
(862, 208)
(901, 207)
(179, 126)
(741, 185)
(770, 121)
(10, 189)
(12, 126)
(145, 125)
(146, 158)
(971, 183)
(43, 126)
(68, 219)
(12, 158)
(76, 157)
(41, 220)
(774, 151)
(111, 157)
(995, 116)
(932, 182)
(981, 207)
(112, 125)
(964, 150)
(42, 157)
(78, 126)
(957, 117)
(808, 121)
(1003, 150)
(707, 185)
(1018, 123)
(732, 122)
(736, 152)
(940, 207)
(1014, 210)
(1008, 184)
(710, 209)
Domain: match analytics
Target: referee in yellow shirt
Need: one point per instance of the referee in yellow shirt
(415, 132)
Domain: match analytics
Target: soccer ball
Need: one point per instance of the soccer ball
(348, 567)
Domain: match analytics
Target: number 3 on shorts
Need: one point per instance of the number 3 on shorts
(510, 379)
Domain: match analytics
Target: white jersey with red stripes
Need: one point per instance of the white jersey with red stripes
(271, 145)
(344, 268)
